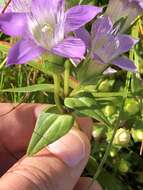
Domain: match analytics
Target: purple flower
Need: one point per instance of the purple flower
(105, 46)
(45, 29)
(124, 8)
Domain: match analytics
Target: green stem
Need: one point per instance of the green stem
(66, 78)
(100, 167)
(107, 150)
(57, 92)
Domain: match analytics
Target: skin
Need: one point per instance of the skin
(47, 170)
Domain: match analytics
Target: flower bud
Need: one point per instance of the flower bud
(122, 137)
(137, 134)
(109, 110)
(131, 106)
(105, 86)
(123, 166)
(113, 152)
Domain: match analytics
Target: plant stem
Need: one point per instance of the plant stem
(114, 133)
(66, 78)
(107, 150)
(57, 92)
(6, 6)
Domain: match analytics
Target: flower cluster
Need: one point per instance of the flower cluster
(45, 26)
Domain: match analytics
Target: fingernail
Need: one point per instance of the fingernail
(70, 148)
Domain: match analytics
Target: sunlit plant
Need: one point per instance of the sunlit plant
(90, 55)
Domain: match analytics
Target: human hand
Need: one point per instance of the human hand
(57, 167)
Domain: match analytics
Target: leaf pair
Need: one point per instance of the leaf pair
(88, 107)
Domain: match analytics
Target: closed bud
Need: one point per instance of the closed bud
(122, 137)
(131, 106)
(109, 110)
(123, 166)
(113, 152)
(105, 86)
(137, 134)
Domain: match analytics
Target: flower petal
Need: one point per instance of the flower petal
(102, 25)
(71, 48)
(124, 44)
(125, 63)
(45, 5)
(13, 24)
(104, 47)
(83, 34)
(80, 15)
(24, 51)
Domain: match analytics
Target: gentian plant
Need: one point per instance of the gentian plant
(90, 55)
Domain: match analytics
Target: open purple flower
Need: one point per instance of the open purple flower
(46, 29)
(129, 9)
(105, 46)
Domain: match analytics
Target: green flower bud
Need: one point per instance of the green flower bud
(131, 106)
(137, 134)
(123, 166)
(109, 110)
(113, 152)
(122, 137)
(105, 86)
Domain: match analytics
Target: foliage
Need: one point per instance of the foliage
(112, 100)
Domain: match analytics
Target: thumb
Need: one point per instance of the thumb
(58, 166)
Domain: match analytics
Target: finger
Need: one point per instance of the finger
(84, 184)
(15, 131)
(85, 124)
(57, 167)
(17, 126)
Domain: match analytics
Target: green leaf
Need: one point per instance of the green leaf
(79, 102)
(32, 88)
(88, 107)
(96, 114)
(49, 128)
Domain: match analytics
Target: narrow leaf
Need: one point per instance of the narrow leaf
(32, 88)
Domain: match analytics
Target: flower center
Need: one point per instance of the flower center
(47, 28)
